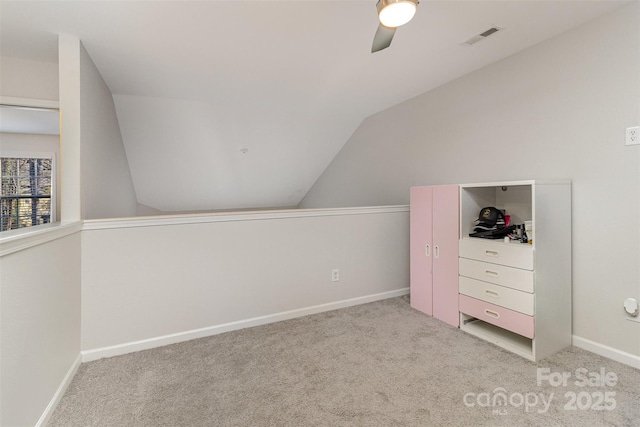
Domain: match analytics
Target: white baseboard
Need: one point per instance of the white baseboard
(606, 351)
(44, 418)
(130, 347)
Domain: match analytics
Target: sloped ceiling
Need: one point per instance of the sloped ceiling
(242, 104)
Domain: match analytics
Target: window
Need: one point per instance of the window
(26, 196)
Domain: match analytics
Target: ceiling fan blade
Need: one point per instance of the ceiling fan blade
(383, 38)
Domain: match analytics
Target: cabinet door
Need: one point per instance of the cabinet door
(421, 249)
(445, 253)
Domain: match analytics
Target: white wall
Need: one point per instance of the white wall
(70, 171)
(144, 279)
(556, 110)
(107, 187)
(39, 326)
(23, 78)
(144, 210)
(21, 142)
(39, 288)
(95, 177)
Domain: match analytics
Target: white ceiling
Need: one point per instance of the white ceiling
(195, 83)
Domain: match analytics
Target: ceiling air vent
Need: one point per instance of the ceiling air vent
(483, 35)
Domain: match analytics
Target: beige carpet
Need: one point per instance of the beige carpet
(378, 364)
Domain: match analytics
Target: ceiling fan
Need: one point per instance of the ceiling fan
(392, 14)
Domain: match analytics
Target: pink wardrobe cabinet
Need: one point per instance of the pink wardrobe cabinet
(434, 233)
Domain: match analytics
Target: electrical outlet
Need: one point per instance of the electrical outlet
(335, 275)
(633, 136)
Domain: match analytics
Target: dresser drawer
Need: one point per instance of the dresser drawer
(515, 255)
(513, 321)
(510, 277)
(512, 299)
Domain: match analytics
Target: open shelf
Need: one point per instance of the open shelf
(515, 343)
(514, 198)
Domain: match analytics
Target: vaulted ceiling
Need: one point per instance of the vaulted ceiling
(241, 104)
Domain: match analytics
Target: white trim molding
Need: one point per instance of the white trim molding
(66, 381)
(130, 347)
(163, 220)
(606, 351)
(24, 238)
(29, 103)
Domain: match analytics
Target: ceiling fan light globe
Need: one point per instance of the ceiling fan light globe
(394, 13)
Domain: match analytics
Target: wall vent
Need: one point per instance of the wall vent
(483, 35)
